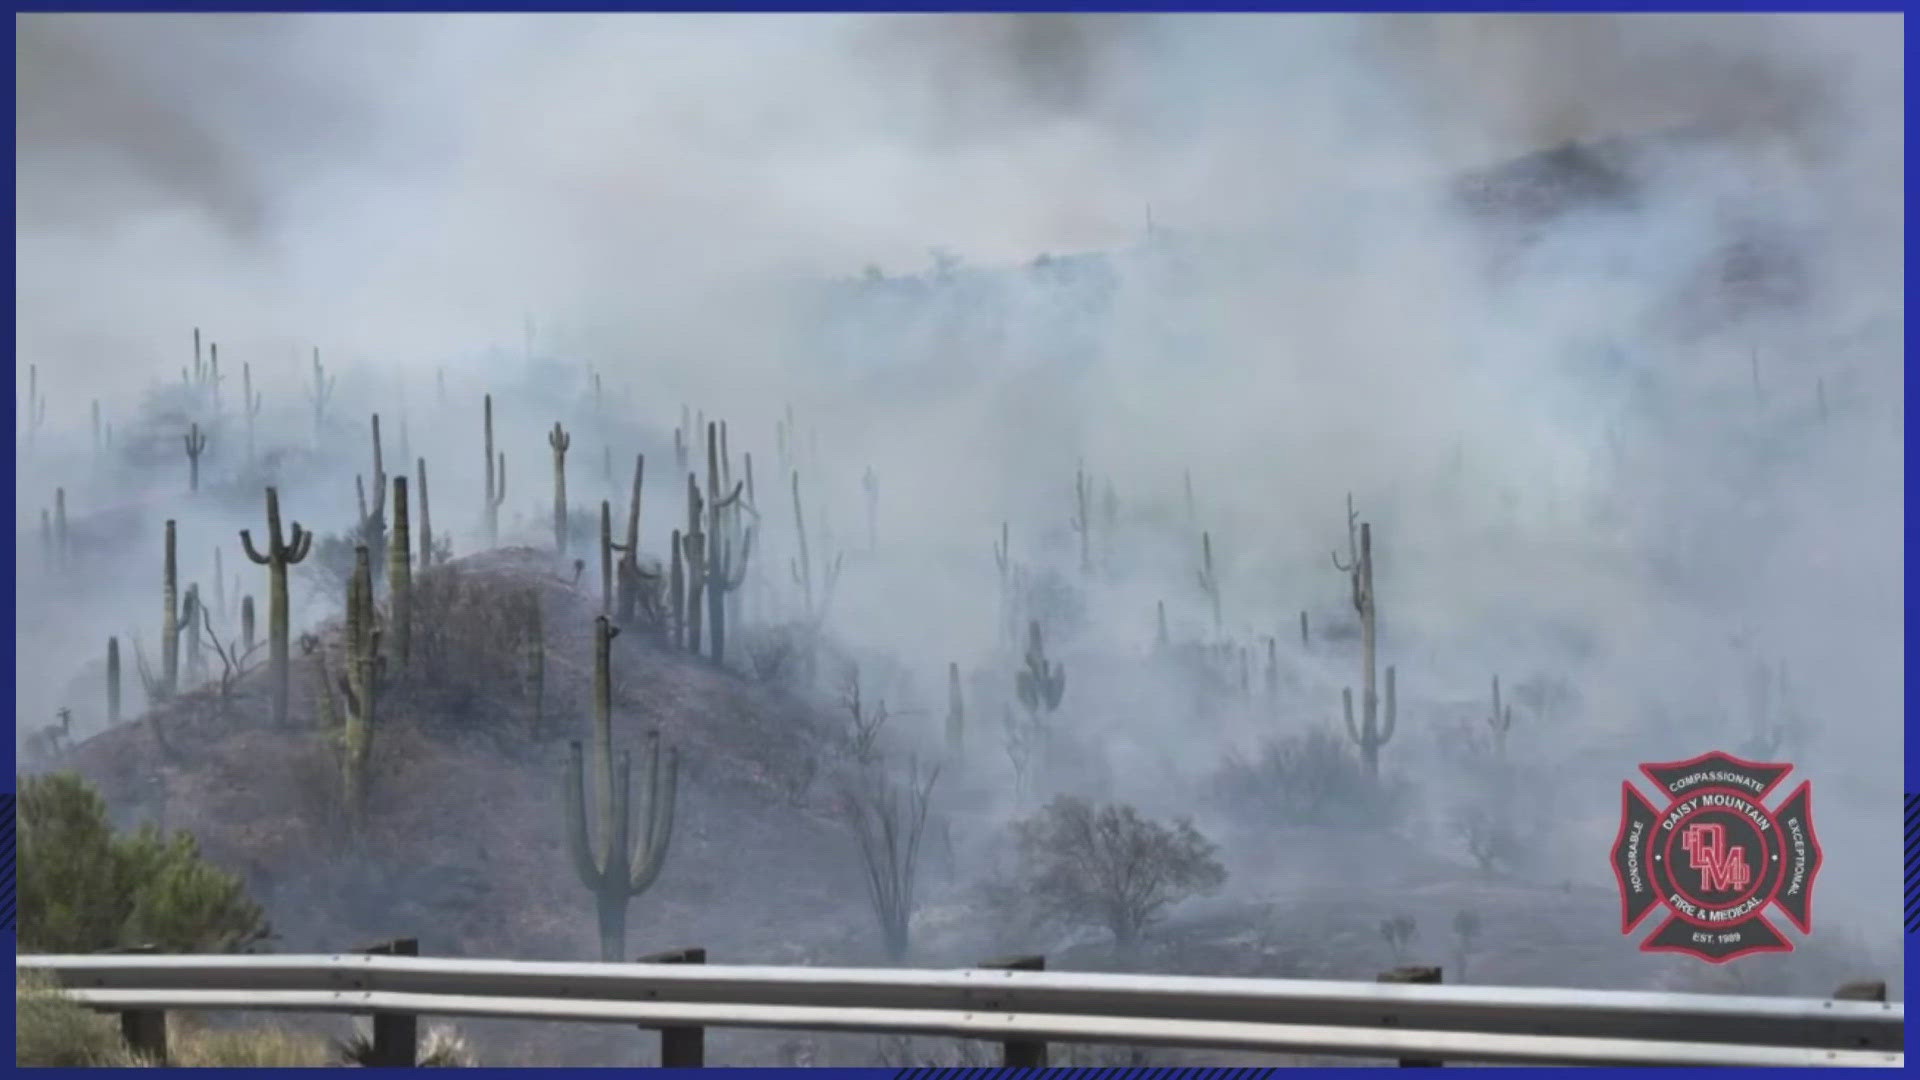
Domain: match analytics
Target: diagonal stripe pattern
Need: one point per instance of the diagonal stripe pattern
(1913, 863)
(6, 864)
(1110, 1073)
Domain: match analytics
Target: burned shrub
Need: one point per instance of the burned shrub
(1310, 780)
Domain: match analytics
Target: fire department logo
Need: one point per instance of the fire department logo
(1716, 858)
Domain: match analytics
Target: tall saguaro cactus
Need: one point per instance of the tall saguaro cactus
(695, 541)
(607, 547)
(319, 394)
(611, 863)
(362, 686)
(496, 481)
(1082, 518)
(628, 590)
(1208, 578)
(400, 575)
(113, 680)
(725, 569)
(1500, 720)
(374, 521)
(196, 443)
(170, 622)
(1376, 727)
(278, 557)
(426, 521)
(249, 406)
(1040, 684)
(956, 714)
(677, 595)
(560, 441)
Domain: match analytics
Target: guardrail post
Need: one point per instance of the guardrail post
(145, 1030)
(1865, 990)
(1021, 1053)
(1415, 974)
(396, 1036)
(681, 1047)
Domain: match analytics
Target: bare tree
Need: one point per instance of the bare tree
(1466, 929)
(1399, 932)
(863, 723)
(1490, 837)
(234, 660)
(888, 821)
(1109, 867)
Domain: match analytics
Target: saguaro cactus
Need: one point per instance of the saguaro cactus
(36, 407)
(815, 604)
(400, 576)
(696, 553)
(170, 623)
(725, 570)
(677, 590)
(60, 537)
(560, 441)
(1375, 728)
(426, 522)
(610, 863)
(246, 624)
(496, 480)
(196, 442)
(1209, 580)
(249, 406)
(1082, 519)
(279, 556)
(190, 628)
(320, 394)
(363, 648)
(1500, 720)
(628, 589)
(1040, 684)
(113, 680)
(956, 714)
(373, 525)
(606, 557)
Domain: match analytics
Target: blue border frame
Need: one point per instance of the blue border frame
(1912, 786)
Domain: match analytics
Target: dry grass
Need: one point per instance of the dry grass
(53, 1031)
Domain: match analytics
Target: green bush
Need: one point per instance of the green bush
(84, 889)
(52, 1031)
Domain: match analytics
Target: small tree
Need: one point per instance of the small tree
(1466, 929)
(1108, 867)
(1490, 837)
(888, 820)
(84, 889)
(1398, 933)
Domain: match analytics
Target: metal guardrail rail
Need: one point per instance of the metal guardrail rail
(678, 993)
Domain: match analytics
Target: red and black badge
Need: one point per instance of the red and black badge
(1716, 858)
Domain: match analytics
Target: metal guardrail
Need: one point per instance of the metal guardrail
(1023, 1009)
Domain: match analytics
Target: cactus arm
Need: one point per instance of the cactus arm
(1390, 720)
(651, 855)
(246, 542)
(579, 848)
(1346, 701)
(297, 550)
